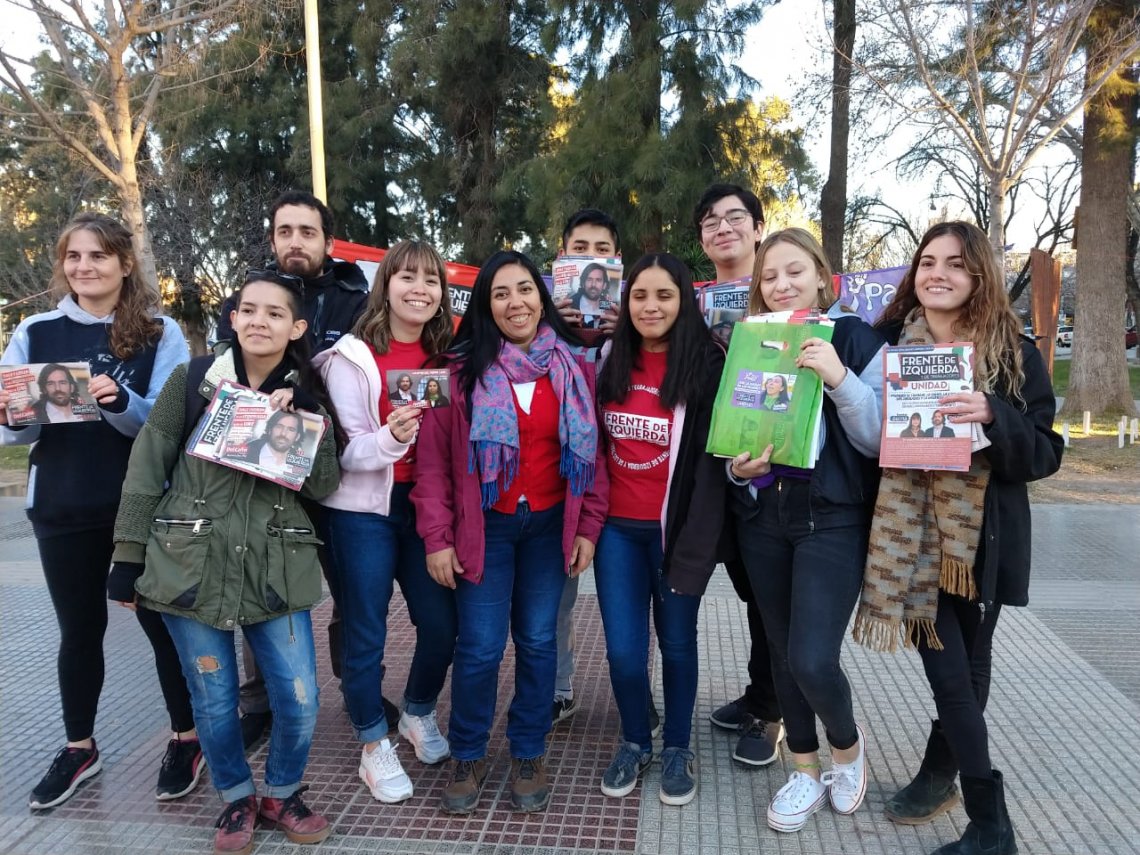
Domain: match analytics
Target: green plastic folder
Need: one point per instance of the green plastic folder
(763, 397)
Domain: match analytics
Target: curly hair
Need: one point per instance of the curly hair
(375, 326)
(987, 319)
(803, 240)
(134, 327)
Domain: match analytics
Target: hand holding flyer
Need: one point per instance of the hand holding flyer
(931, 414)
(770, 401)
(593, 285)
(48, 393)
(242, 429)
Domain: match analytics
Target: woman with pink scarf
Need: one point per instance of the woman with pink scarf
(509, 499)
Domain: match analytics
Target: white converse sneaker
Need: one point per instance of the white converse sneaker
(423, 732)
(797, 800)
(381, 771)
(847, 782)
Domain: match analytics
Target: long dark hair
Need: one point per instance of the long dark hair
(298, 356)
(478, 340)
(686, 373)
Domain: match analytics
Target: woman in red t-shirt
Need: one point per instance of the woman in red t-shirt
(658, 546)
(371, 376)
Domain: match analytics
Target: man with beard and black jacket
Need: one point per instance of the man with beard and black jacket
(301, 237)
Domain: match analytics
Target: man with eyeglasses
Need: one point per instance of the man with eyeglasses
(334, 295)
(730, 225)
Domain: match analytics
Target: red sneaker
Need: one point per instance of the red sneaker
(299, 823)
(235, 827)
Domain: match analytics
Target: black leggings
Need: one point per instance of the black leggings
(806, 579)
(75, 568)
(959, 677)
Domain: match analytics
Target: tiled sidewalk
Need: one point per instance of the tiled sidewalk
(1063, 717)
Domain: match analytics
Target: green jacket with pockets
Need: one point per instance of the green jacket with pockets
(219, 546)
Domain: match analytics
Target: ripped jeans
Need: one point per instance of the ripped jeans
(283, 648)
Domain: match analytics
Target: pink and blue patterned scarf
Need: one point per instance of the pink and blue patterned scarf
(494, 440)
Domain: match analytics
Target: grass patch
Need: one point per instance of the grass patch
(14, 457)
(1093, 469)
(1061, 368)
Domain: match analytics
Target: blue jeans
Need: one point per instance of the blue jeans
(567, 640)
(806, 577)
(283, 647)
(370, 552)
(627, 572)
(524, 575)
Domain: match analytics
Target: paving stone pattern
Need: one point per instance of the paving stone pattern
(1063, 717)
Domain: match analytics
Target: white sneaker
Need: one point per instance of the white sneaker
(847, 782)
(381, 771)
(423, 732)
(797, 800)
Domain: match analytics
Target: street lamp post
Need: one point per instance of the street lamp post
(316, 111)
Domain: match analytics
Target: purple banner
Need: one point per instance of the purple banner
(868, 292)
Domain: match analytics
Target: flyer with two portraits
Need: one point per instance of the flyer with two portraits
(916, 433)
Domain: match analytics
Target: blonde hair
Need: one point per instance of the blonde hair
(987, 319)
(134, 326)
(375, 326)
(801, 239)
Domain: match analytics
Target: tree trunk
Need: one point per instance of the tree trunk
(1098, 379)
(647, 57)
(833, 199)
(996, 231)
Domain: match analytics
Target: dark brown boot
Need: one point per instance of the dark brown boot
(990, 831)
(932, 792)
(529, 790)
(462, 794)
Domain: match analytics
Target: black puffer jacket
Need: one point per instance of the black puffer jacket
(333, 302)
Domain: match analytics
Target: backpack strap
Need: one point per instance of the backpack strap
(195, 402)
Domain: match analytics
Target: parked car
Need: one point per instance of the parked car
(1065, 337)
(1129, 338)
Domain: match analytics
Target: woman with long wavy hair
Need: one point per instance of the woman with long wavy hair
(964, 549)
(107, 316)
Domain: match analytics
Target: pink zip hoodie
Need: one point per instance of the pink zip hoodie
(367, 474)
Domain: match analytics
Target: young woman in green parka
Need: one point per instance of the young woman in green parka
(215, 548)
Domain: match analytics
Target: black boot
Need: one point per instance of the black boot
(989, 831)
(932, 792)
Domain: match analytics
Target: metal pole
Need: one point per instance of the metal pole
(316, 113)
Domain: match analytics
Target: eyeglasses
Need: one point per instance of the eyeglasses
(734, 218)
(285, 280)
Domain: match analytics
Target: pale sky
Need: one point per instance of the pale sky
(789, 41)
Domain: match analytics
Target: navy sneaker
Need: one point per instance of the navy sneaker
(70, 768)
(730, 716)
(624, 770)
(678, 776)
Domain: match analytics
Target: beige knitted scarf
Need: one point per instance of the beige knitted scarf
(924, 537)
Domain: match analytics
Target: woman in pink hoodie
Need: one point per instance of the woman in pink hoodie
(371, 521)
